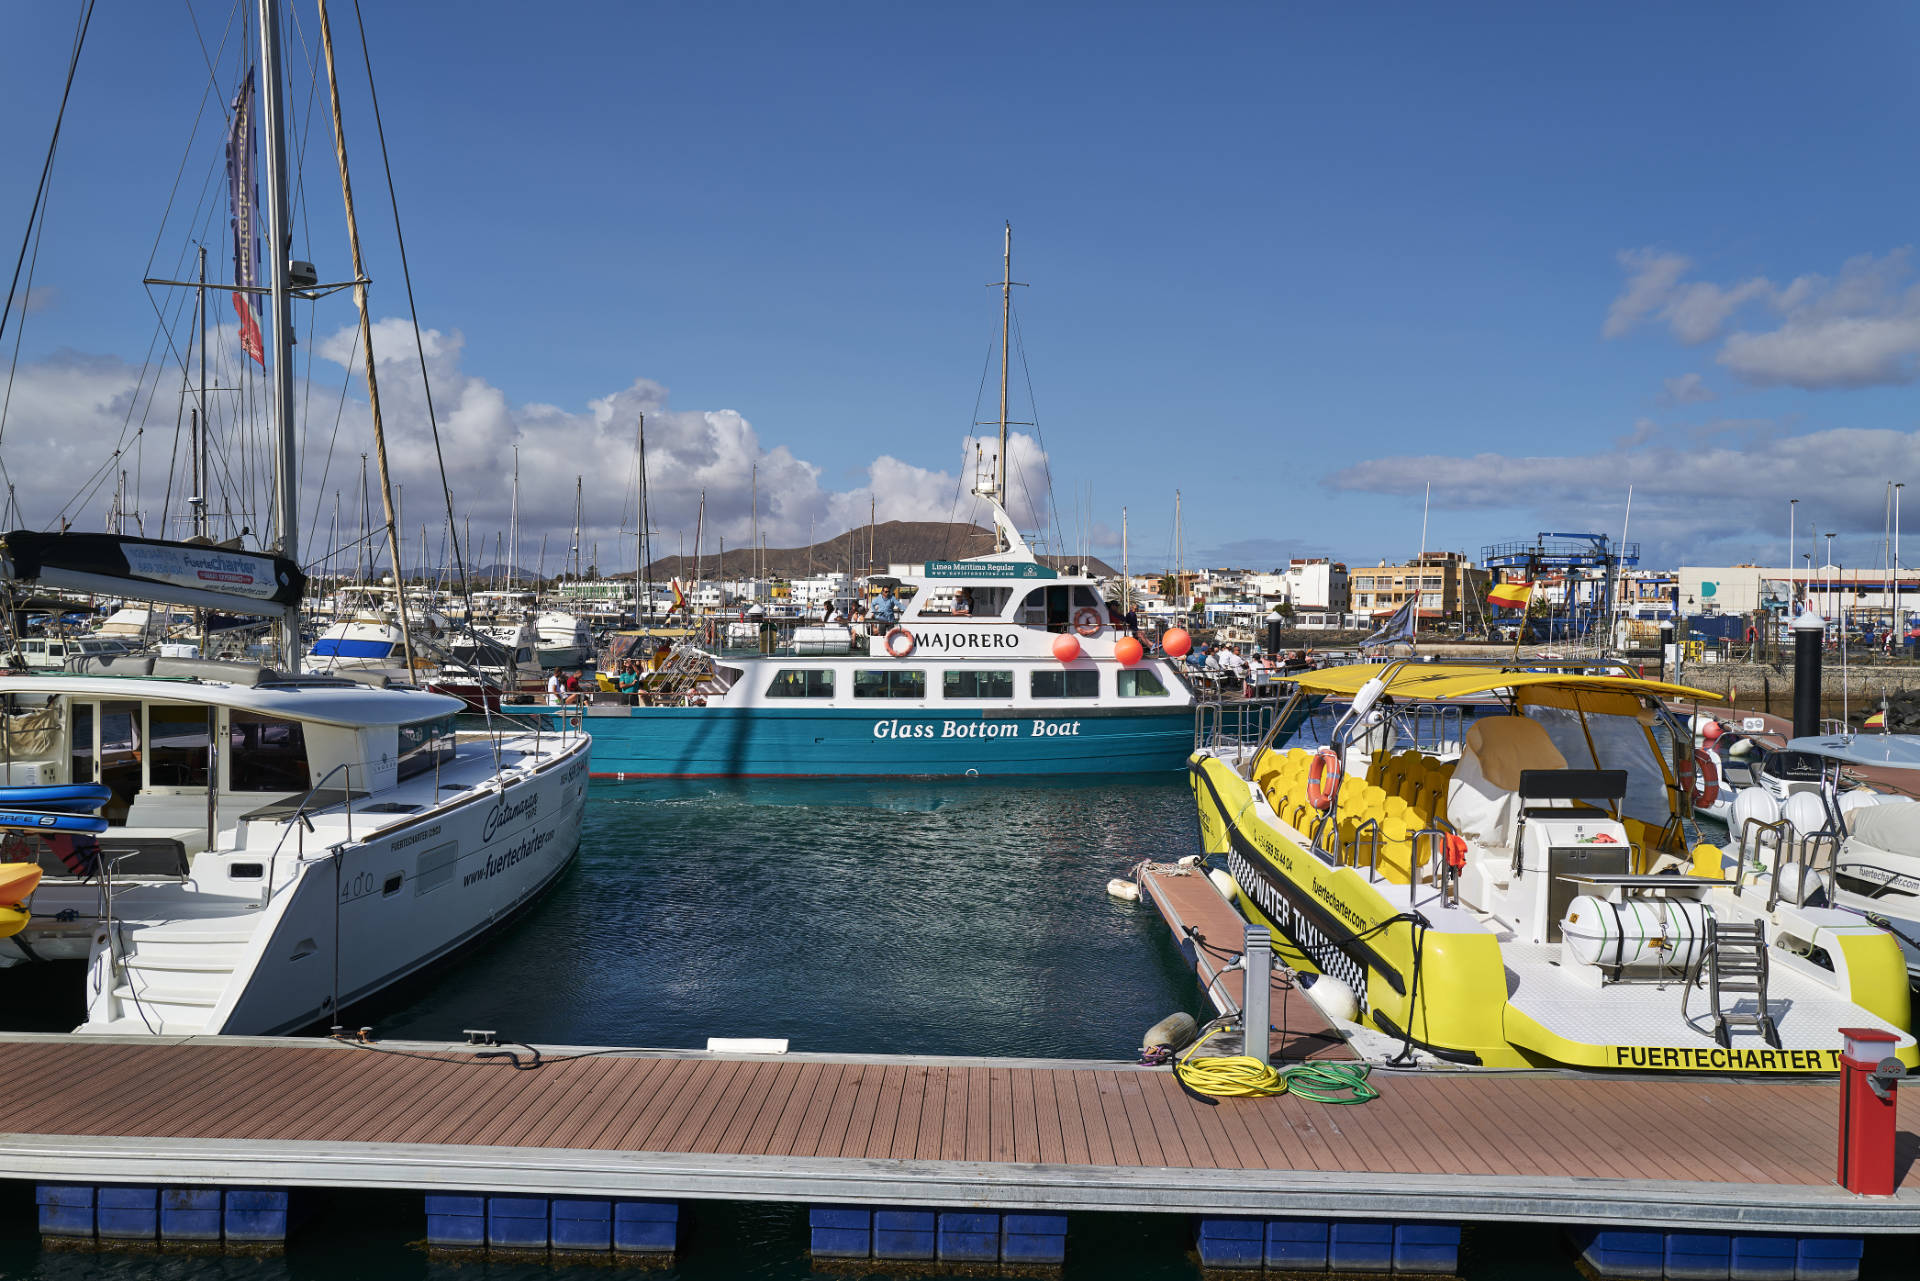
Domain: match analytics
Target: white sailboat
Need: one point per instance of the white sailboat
(271, 846)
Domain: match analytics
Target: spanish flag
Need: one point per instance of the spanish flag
(679, 597)
(1511, 595)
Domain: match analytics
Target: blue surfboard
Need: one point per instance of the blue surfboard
(65, 798)
(31, 821)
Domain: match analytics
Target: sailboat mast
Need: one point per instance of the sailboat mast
(1179, 551)
(576, 527)
(699, 528)
(646, 598)
(513, 518)
(1126, 575)
(200, 427)
(388, 500)
(286, 486)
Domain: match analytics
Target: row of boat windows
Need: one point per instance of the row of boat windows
(900, 682)
(1051, 606)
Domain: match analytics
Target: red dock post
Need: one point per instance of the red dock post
(1869, 1081)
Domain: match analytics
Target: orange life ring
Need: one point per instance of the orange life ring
(899, 634)
(1323, 776)
(1706, 778)
(1086, 621)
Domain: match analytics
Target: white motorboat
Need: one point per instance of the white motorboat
(1824, 840)
(561, 640)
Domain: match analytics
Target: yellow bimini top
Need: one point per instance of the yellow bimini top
(1440, 681)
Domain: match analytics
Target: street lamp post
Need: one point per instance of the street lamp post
(1833, 594)
(1793, 587)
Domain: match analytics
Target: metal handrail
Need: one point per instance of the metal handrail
(298, 822)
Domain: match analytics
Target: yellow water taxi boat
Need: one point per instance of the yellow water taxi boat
(1527, 897)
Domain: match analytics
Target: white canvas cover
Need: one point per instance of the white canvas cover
(1481, 800)
(1893, 828)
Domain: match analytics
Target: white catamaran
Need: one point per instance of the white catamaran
(268, 847)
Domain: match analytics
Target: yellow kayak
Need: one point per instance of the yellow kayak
(17, 880)
(13, 920)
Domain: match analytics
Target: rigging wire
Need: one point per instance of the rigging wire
(413, 310)
(980, 394)
(36, 213)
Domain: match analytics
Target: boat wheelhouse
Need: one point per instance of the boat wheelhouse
(1531, 900)
(275, 848)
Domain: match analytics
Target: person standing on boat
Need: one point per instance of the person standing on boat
(555, 694)
(963, 603)
(886, 610)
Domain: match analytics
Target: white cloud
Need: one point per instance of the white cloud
(1859, 329)
(1651, 277)
(68, 411)
(1687, 389)
(1838, 474)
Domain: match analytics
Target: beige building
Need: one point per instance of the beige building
(1442, 581)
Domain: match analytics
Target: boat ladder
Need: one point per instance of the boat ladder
(1736, 965)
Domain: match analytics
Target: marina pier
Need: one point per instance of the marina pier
(855, 1134)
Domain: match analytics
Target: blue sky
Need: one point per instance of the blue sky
(1296, 262)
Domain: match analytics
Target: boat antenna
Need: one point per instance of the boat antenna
(1005, 284)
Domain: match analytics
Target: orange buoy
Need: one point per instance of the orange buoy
(1177, 642)
(1066, 647)
(1129, 651)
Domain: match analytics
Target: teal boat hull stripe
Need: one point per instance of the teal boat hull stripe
(718, 742)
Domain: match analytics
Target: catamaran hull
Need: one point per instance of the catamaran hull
(412, 896)
(761, 742)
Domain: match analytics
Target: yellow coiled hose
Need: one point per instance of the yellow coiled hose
(1241, 1076)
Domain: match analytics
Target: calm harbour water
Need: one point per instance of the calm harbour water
(909, 917)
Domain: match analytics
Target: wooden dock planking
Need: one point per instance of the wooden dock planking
(1110, 1122)
(1205, 922)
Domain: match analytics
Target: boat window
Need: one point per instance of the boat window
(1083, 598)
(424, 744)
(80, 743)
(891, 682)
(1047, 607)
(1139, 683)
(120, 755)
(971, 683)
(795, 682)
(180, 736)
(266, 754)
(1061, 683)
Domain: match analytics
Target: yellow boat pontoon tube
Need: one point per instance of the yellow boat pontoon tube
(1527, 897)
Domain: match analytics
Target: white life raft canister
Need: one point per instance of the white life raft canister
(1663, 932)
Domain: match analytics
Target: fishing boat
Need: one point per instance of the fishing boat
(1531, 901)
(271, 846)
